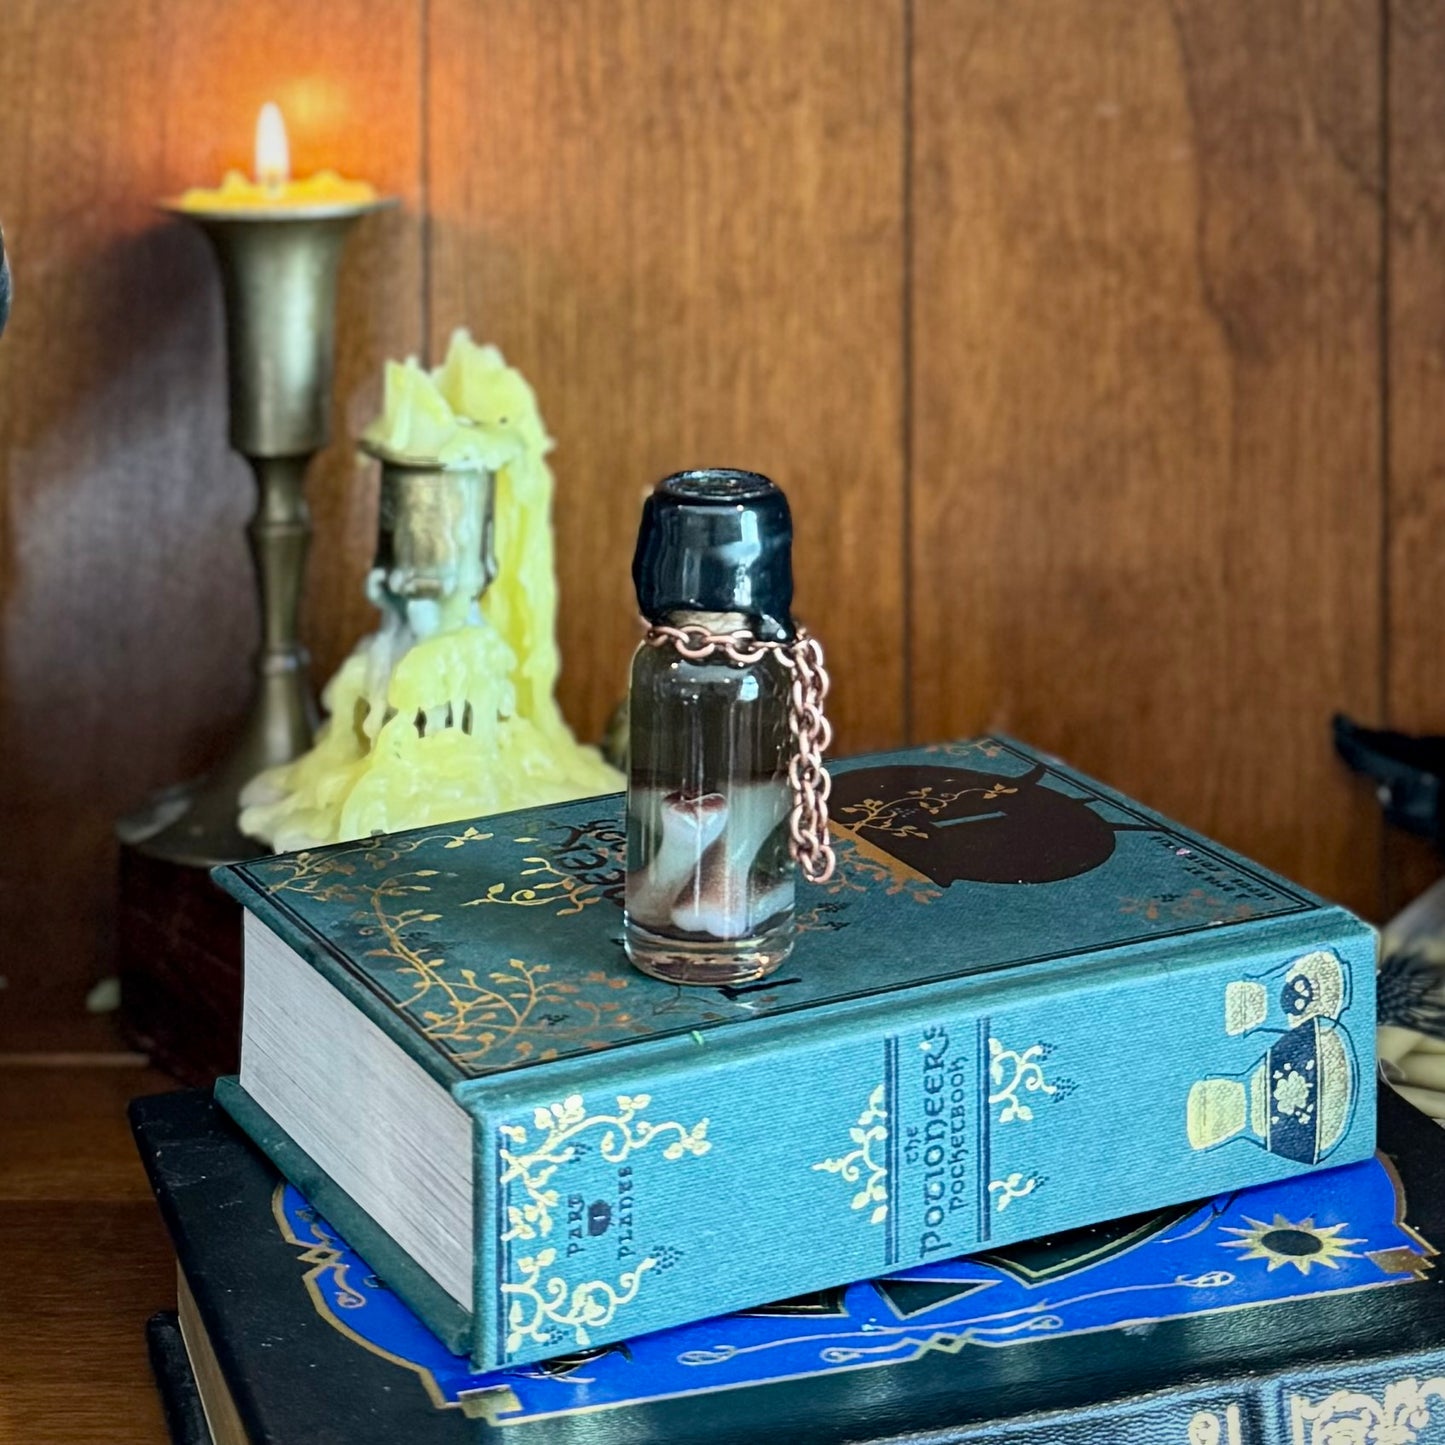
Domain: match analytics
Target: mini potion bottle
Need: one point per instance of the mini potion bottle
(710, 875)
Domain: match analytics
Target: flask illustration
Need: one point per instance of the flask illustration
(1316, 985)
(1296, 1101)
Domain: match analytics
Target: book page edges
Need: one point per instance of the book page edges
(439, 1312)
(319, 953)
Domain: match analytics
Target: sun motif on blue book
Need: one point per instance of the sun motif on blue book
(1303, 1245)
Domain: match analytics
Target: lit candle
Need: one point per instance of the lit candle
(278, 242)
(273, 149)
(273, 190)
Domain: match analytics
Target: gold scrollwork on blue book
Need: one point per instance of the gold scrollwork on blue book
(1411, 1411)
(864, 1164)
(1341, 1230)
(541, 1299)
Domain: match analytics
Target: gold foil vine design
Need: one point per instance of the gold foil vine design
(571, 895)
(540, 1307)
(1028, 1075)
(967, 748)
(560, 1124)
(1016, 1186)
(515, 1008)
(857, 873)
(885, 816)
(330, 876)
(515, 1011)
(869, 1132)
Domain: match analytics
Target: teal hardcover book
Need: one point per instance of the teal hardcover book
(1023, 1004)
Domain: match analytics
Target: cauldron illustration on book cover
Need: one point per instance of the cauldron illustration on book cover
(1296, 1101)
(953, 825)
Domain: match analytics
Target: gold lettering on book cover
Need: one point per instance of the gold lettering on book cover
(868, 1134)
(1349, 1417)
(532, 1162)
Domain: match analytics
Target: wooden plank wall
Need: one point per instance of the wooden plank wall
(1146, 430)
(1099, 343)
(126, 612)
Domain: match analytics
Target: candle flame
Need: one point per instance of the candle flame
(273, 150)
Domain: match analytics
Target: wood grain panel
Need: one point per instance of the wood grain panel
(64, 1134)
(1146, 520)
(125, 594)
(1415, 559)
(80, 1282)
(684, 222)
(86, 1260)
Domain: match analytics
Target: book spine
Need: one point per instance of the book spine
(176, 1382)
(1400, 1400)
(1395, 1401)
(642, 1192)
(1213, 1415)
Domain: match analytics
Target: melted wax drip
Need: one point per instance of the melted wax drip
(448, 711)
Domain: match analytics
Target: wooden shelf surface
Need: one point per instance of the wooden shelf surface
(84, 1258)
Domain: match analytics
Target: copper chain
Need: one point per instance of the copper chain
(811, 730)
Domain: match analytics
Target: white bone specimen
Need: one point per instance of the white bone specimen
(723, 900)
(690, 825)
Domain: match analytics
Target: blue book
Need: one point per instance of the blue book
(1023, 1004)
(1310, 1310)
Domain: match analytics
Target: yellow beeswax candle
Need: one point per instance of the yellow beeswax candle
(238, 192)
(522, 603)
(417, 426)
(447, 711)
(273, 189)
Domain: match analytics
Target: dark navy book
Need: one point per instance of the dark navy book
(1304, 1312)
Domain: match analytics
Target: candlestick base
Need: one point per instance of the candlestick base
(195, 823)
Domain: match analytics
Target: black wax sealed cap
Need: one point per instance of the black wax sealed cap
(716, 540)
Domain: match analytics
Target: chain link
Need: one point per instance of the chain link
(811, 731)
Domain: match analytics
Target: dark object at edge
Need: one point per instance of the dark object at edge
(1409, 772)
(180, 1400)
(4, 285)
(179, 941)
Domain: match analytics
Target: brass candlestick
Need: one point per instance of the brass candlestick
(278, 276)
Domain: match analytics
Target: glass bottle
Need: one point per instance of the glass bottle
(710, 878)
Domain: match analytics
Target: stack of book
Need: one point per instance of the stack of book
(1023, 1008)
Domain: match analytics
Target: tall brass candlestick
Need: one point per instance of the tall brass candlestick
(278, 274)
